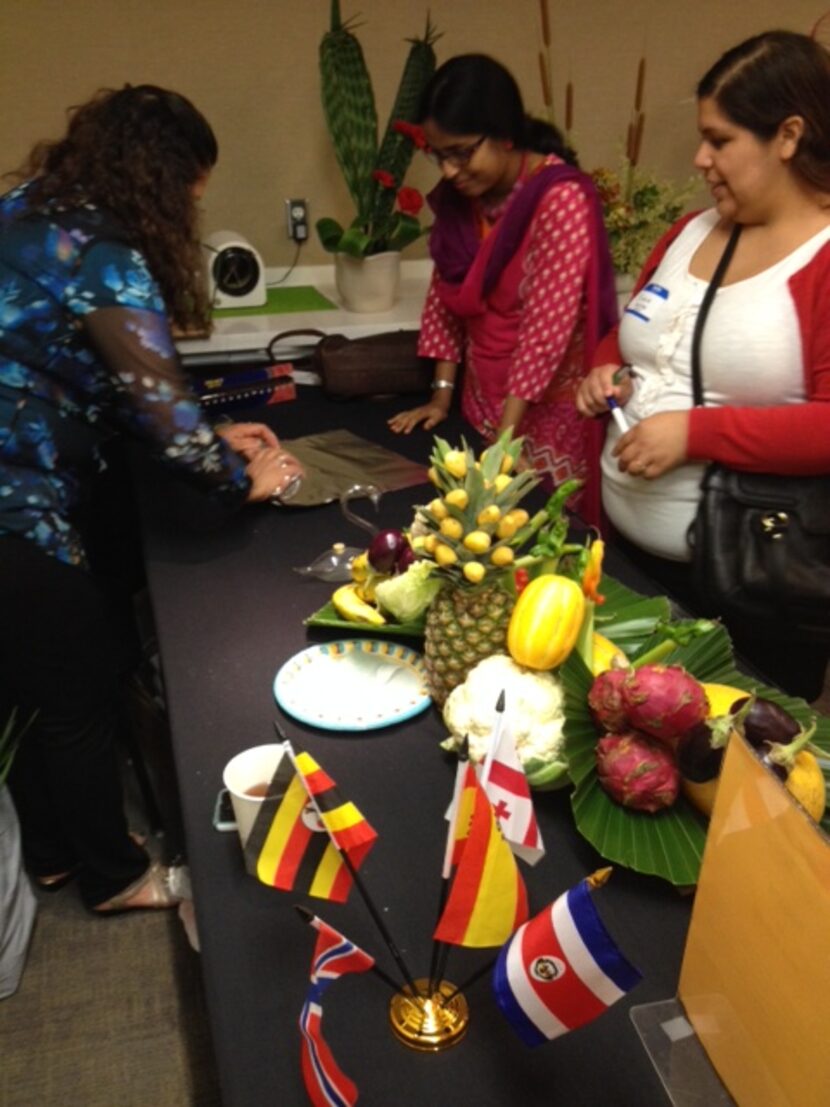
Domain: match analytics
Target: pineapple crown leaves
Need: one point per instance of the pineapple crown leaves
(351, 117)
(477, 498)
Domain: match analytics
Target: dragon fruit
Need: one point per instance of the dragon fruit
(663, 701)
(637, 772)
(606, 702)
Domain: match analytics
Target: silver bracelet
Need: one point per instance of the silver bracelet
(443, 384)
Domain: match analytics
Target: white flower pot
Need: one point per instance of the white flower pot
(368, 284)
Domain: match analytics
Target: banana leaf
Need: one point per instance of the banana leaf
(327, 616)
(627, 617)
(669, 844)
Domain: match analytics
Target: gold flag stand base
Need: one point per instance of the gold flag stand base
(424, 1022)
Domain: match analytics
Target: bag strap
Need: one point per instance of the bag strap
(703, 311)
(308, 332)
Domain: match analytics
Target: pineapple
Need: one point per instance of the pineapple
(471, 531)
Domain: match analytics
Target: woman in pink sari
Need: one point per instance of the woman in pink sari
(522, 288)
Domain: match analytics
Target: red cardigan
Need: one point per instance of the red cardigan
(783, 438)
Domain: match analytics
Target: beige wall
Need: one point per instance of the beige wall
(251, 67)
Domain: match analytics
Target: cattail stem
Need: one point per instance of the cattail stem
(638, 138)
(545, 15)
(641, 80)
(543, 75)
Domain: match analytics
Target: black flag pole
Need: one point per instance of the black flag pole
(441, 950)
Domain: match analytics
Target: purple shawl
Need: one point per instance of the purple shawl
(454, 241)
(454, 244)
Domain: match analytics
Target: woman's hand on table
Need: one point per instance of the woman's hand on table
(271, 471)
(247, 439)
(431, 414)
(655, 446)
(600, 384)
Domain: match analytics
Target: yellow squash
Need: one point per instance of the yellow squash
(805, 781)
(545, 622)
(720, 698)
(606, 655)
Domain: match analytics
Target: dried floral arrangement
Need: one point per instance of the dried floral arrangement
(638, 206)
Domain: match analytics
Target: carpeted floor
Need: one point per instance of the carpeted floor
(109, 1011)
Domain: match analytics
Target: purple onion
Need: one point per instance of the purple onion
(384, 550)
(404, 559)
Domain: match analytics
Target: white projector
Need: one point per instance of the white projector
(236, 275)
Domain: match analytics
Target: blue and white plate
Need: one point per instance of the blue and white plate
(353, 685)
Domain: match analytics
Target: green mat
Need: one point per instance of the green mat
(280, 300)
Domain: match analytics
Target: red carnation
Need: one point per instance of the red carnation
(384, 178)
(410, 201)
(412, 131)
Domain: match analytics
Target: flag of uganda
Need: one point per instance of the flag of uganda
(297, 849)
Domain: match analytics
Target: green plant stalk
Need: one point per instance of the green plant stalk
(585, 640)
(351, 117)
(386, 228)
(785, 754)
(349, 108)
(675, 636)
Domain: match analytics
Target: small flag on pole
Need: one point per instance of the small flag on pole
(334, 955)
(503, 779)
(560, 970)
(487, 899)
(303, 825)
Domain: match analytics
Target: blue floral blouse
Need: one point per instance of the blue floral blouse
(85, 353)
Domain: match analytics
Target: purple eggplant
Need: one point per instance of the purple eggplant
(697, 759)
(766, 723)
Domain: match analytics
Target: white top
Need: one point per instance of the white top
(750, 356)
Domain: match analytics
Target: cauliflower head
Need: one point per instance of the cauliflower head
(534, 709)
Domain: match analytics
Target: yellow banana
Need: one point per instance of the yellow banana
(349, 605)
(359, 567)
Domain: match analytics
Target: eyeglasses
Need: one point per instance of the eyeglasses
(458, 157)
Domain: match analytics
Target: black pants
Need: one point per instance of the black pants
(63, 654)
(795, 667)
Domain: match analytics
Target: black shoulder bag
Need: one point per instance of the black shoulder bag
(760, 542)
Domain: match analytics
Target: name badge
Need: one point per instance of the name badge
(646, 302)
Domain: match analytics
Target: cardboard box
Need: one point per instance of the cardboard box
(755, 979)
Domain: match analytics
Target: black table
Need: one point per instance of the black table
(229, 612)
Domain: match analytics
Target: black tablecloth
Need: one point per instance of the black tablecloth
(229, 612)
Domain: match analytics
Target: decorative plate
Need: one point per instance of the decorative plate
(327, 617)
(354, 684)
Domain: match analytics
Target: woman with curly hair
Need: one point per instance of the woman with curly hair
(99, 253)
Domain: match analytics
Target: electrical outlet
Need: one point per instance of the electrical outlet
(296, 217)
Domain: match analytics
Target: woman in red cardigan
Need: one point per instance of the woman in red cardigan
(764, 122)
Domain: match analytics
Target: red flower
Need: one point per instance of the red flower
(410, 201)
(384, 178)
(412, 131)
